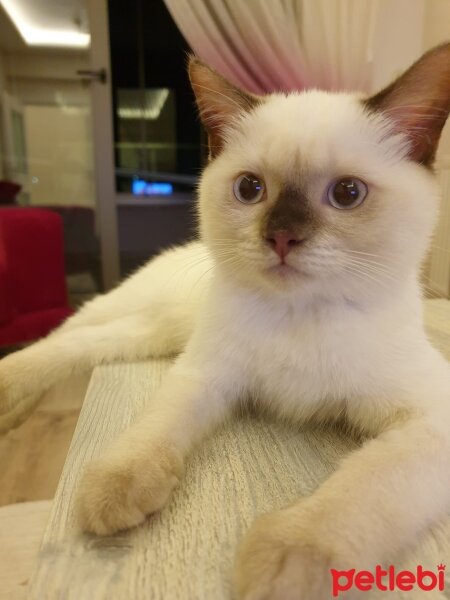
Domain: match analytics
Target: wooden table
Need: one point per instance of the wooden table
(186, 551)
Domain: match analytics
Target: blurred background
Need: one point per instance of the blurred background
(99, 133)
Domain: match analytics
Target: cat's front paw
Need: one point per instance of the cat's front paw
(118, 492)
(280, 559)
(16, 401)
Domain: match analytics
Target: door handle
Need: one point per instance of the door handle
(93, 75)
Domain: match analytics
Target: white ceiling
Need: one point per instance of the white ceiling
(43, 23)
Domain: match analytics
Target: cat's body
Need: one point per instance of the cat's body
(304, 296)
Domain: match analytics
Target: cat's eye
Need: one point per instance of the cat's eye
(347, 193)
(248, 188)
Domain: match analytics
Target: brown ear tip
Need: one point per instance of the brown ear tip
(196, 67)
(191, 60)
(196, 63)
(445, 46)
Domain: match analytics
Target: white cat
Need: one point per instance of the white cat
(316, 211)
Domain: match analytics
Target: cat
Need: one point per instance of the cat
(316, 210)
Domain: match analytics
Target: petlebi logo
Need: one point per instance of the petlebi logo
(387, 580)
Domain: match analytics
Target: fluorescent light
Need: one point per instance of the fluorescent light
(55, 37)
(38, 36)
(130, 103)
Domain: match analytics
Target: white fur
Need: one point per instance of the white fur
(335, 340)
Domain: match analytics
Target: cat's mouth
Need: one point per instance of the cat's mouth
(284, 270)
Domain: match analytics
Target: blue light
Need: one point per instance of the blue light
(164, 189)
(138, 187)
(141, 188)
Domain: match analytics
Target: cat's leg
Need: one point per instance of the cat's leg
(27, 374)
(150, 314)
(379, 502)
(137, 473)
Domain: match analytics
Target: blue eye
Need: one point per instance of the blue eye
(248, 188)
(347, 193)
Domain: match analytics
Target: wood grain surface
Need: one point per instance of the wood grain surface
(186, 551)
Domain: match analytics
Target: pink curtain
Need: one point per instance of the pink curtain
(267, 45)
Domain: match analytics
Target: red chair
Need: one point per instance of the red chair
(33, 293)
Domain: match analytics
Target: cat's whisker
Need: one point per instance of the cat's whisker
(363, 274)
(369, 276)
(195, 284)
(369, 260)
(386, 272)
(375, 266)
(374, 271)
(184, 271)
(382, 267)
(347, 250)
(233, 244)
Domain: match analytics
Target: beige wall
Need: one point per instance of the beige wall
(436, 23)
(59, 155)
(397, 39)
(435, 31)
(405, 30)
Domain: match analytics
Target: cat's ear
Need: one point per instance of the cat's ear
(418, 102)
(219, 102)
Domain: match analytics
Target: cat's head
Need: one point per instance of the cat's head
(321, 191)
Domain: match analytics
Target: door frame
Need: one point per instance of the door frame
(9, 105)
(103, 143)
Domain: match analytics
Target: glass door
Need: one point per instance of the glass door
(98, 123)
(51, 96)
(158, 141)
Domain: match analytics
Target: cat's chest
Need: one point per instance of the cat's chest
(314, 356)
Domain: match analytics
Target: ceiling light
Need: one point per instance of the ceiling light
(38, 36)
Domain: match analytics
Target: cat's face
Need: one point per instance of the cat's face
(353, 207)
(314, 191)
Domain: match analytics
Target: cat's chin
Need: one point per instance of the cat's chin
(284, 271)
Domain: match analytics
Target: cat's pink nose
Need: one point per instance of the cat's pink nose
(282, 242)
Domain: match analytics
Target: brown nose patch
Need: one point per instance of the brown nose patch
(291, 212)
